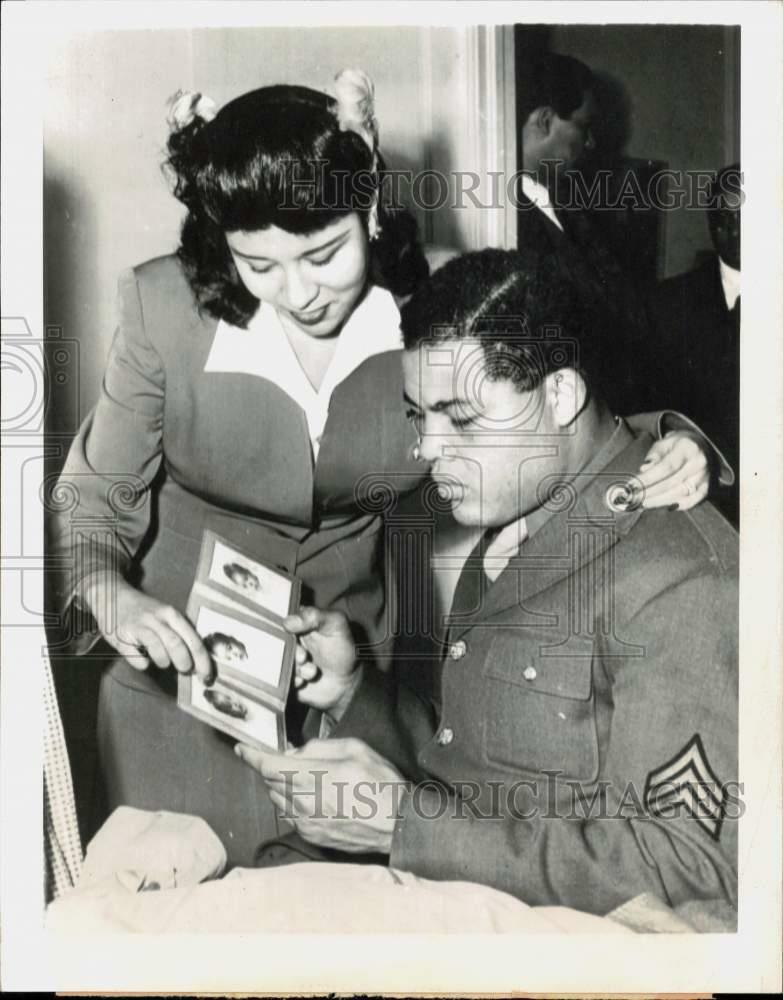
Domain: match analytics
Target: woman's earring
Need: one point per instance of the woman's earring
(416, 453)
(373, 225)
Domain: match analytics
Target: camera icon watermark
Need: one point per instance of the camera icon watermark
(37, 374)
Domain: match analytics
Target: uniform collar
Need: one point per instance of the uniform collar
(581, 503)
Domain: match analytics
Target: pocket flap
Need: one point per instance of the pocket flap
(564, 671)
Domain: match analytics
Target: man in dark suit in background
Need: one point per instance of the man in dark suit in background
(697, 342)
(556, 110)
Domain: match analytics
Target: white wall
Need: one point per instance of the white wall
(107, 205)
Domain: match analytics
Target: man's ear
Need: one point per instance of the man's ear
(544, 118)
(567, 395)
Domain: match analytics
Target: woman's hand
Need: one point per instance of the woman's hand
(326, 671)
(675, 472)
(143, 629)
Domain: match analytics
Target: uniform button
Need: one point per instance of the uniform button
(620, 498)
(445, 736)
(530, 673)
(458, 650)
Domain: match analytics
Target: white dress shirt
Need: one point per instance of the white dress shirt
(263, 349)
(503, 547)
(730, 279)
(539, 195)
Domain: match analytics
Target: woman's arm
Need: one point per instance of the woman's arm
(100, 506)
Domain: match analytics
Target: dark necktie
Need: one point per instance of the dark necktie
(735, 314)
(473, 581)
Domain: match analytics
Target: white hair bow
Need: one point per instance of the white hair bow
(355, 93)
(185, 106)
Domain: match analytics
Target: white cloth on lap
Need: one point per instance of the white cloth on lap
(152, 850)
(313, 898)
(135, 851)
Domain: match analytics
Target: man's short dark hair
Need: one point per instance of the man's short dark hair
(523, 307)
(553, 81)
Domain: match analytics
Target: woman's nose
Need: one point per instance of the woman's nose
(300, 290)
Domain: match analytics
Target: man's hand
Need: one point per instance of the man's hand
(337, 793)
(326, 673)
(143, 629)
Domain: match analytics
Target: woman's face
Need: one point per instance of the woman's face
(314, 281)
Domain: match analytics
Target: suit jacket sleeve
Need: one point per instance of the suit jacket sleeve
(664, 701)
(657, 423)
(101, 500)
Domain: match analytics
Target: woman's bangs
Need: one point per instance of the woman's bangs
(298, 196)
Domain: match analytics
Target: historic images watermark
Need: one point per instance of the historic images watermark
(549, 795)
(430, 190)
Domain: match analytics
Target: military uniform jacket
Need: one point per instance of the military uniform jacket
(584, 749)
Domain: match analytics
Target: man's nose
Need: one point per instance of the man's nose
(589, 141)
(431, 447)
(300, 290)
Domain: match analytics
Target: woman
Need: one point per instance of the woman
(253, 384)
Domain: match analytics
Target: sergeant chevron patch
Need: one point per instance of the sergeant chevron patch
(687, 780)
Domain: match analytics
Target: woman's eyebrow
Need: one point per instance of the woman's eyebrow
(324, 246)
(328, 245)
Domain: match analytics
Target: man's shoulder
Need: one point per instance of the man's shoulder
(692, 285)
(670, 548)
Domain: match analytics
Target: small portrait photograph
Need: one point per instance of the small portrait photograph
(253, 652)
(269, 591)
(232, 711)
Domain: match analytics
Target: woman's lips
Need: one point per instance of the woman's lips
(311, 318)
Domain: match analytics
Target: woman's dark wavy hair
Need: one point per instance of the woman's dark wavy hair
(276, 157)
(524, 308)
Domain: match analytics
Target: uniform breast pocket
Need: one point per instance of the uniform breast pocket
(540, 709)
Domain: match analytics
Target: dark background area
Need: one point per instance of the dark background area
(668, 97)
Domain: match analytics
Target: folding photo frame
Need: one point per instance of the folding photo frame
(237, 606)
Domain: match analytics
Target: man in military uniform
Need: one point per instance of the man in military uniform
(583, 748)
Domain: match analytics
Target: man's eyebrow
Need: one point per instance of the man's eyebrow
(319, 249)
(441, 405)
